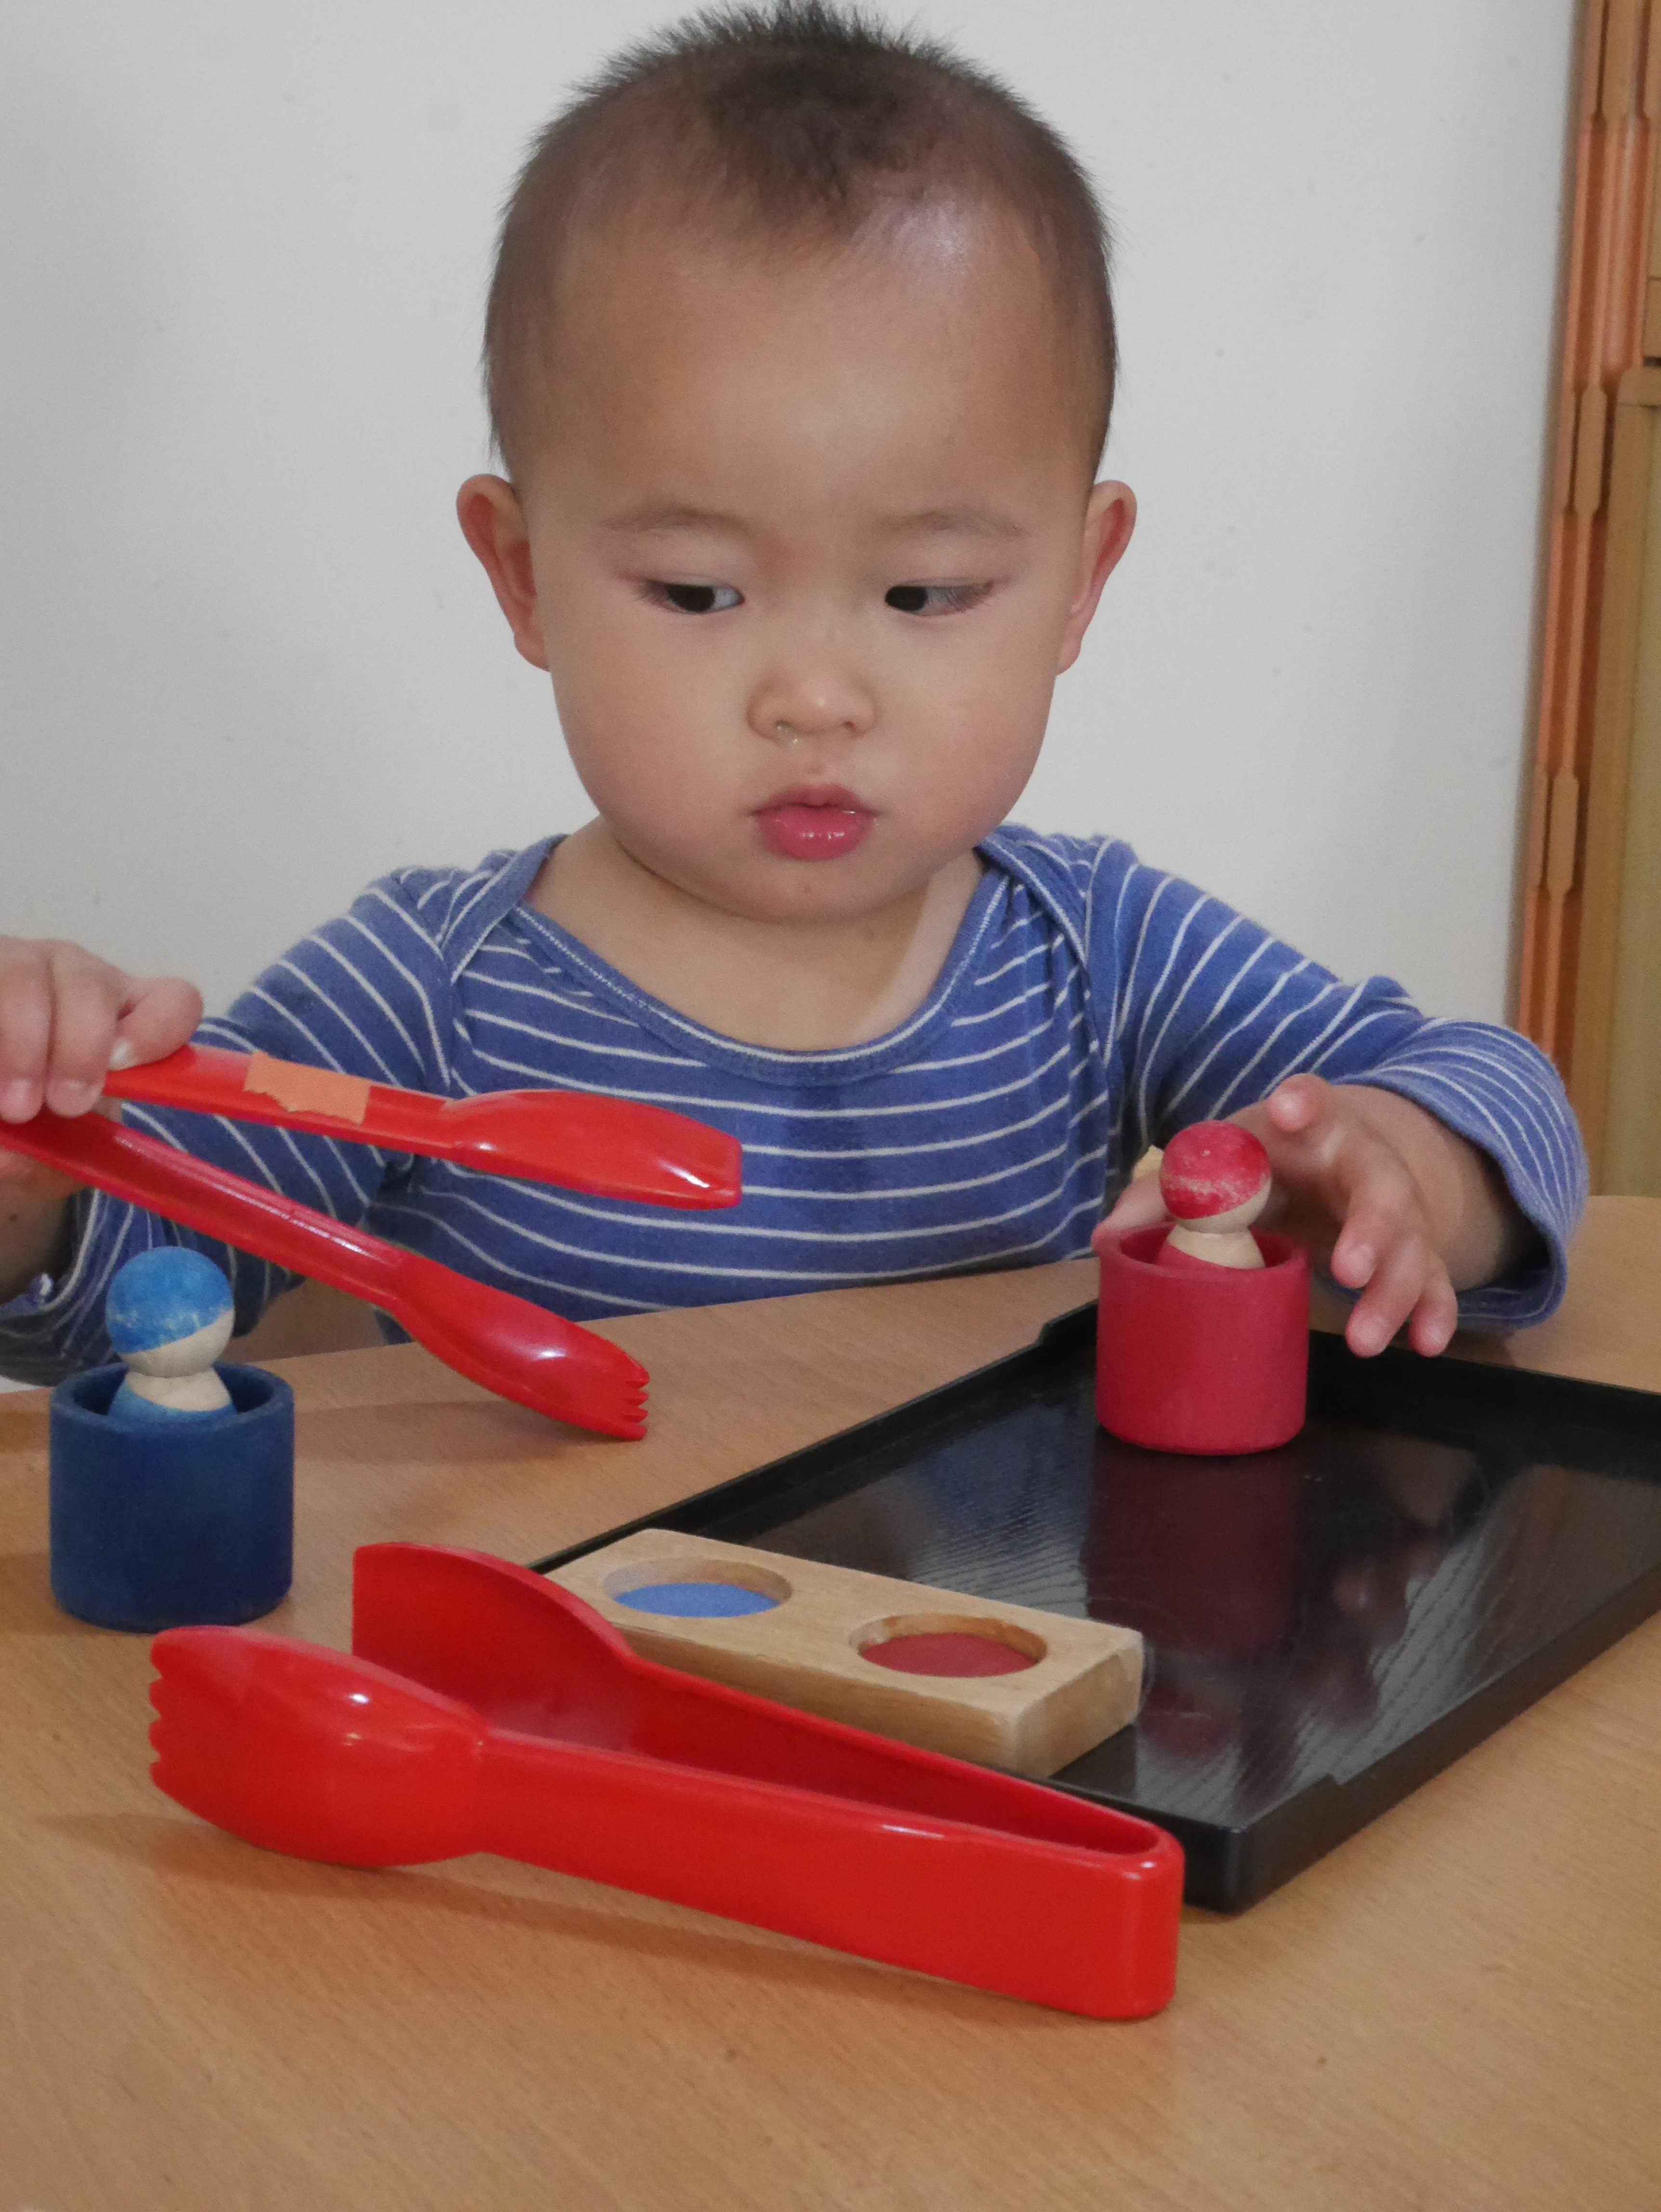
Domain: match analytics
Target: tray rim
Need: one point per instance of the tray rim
(1231, 1867)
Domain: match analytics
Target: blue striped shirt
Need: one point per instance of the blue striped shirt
(1090, 1006)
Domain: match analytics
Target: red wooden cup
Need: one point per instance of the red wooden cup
(1202, 1358)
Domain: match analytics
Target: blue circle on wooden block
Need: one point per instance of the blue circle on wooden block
(697, 1600)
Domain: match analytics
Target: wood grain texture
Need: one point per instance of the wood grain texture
(1610, 256)
(1619, 655)
(1458, 2011)
(1085, 1683)
(1631, 1134)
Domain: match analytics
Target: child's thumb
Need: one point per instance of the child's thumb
(1139, 1207)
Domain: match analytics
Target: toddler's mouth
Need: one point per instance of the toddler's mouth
(813, 822)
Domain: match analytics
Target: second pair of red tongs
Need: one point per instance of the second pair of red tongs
(614, 1146)
(485, 1710)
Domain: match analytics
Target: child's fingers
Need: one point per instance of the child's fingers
(65, 1016)
(1390, 1296)
(1384, 1250)
(158, 1015)
(25, 1027)
(1296, 1104)
(1416, 1293)
(1436, 1316)
(1377, 1205)
(1306, 1124)
(1410, 1280)
(24, 1046)
(86, 1003)
(1384, 1247)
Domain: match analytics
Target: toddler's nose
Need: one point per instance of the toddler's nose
(806, 723)
(833, 708)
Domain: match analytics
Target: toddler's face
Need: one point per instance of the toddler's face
(804, 539)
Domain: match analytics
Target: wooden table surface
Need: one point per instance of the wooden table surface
(1460, 2008)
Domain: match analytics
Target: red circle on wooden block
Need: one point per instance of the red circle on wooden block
(951, 1654)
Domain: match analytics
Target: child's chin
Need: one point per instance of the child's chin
(819, 891)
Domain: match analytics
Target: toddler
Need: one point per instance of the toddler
(799, 355)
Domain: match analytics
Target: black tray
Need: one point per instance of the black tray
(1327, 1625)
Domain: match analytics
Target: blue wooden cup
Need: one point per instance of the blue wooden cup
(170, 1524)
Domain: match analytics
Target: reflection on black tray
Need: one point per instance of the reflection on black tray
(1327, 1624)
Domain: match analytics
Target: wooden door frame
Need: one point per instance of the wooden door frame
(1573, 847)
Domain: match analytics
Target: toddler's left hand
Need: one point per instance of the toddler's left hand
(1352, 1166)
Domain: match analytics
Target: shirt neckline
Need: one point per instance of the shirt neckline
(765, 1063)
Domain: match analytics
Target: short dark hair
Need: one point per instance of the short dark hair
(798, 113)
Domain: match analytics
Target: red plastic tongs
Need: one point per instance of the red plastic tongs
(510, 1346)
(483, 1709)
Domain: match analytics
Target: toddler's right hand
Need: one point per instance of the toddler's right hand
(65, 1018)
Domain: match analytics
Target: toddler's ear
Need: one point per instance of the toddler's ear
(1109, 518)
(493, 523)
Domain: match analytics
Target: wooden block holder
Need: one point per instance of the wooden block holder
(1084, 1682)
(1202, 1358)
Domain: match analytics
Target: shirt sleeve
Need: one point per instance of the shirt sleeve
(1203, 1012)
(366, 994)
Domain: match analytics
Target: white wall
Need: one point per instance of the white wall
(246, 661)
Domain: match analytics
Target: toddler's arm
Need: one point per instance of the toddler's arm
(366, 994)
(1418, 1158)
(1396, 1205)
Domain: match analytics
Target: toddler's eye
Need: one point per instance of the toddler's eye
(934, 599)
(695, 598)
